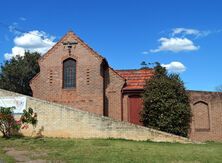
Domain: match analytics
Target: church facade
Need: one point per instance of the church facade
(73, 74)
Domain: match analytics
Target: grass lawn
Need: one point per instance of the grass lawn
(109, 150)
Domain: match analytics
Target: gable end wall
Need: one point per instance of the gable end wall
(89, 92)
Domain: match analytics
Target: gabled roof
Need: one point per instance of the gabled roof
(135, 79)
(70, 33)
(79, 40)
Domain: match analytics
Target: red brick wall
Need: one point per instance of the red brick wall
(207, 116)
(113, 95)
(88, 94)
(126, 107)
(206, 108)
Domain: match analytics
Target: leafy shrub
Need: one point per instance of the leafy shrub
(166, 103)
(9, 126)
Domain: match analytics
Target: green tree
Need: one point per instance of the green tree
(16, 73)
(143, 65)
(166, 103)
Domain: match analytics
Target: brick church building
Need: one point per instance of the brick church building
(73, 74)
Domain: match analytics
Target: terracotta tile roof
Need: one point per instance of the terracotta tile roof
(135, 79)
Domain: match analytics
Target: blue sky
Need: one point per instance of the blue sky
(185, 36)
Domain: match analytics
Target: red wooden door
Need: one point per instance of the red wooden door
(135, 106)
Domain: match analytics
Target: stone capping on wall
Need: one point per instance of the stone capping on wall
(206, 92)
(200, 91)
(102, 127)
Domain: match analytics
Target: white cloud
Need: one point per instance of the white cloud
(22, 18)
(13, 28)
(181, 39)
(175, 44)
(189, 31)
(145, 52)
(34, 41)
(175, 67)
(15, 51)
(185, 31)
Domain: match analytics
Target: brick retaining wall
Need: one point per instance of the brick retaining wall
(55, 120)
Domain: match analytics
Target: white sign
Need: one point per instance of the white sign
(18, 102)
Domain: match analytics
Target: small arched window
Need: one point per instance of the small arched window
(69, 73)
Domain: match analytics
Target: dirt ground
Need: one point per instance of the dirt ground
(25, 156)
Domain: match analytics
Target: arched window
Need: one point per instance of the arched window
(69, 73)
